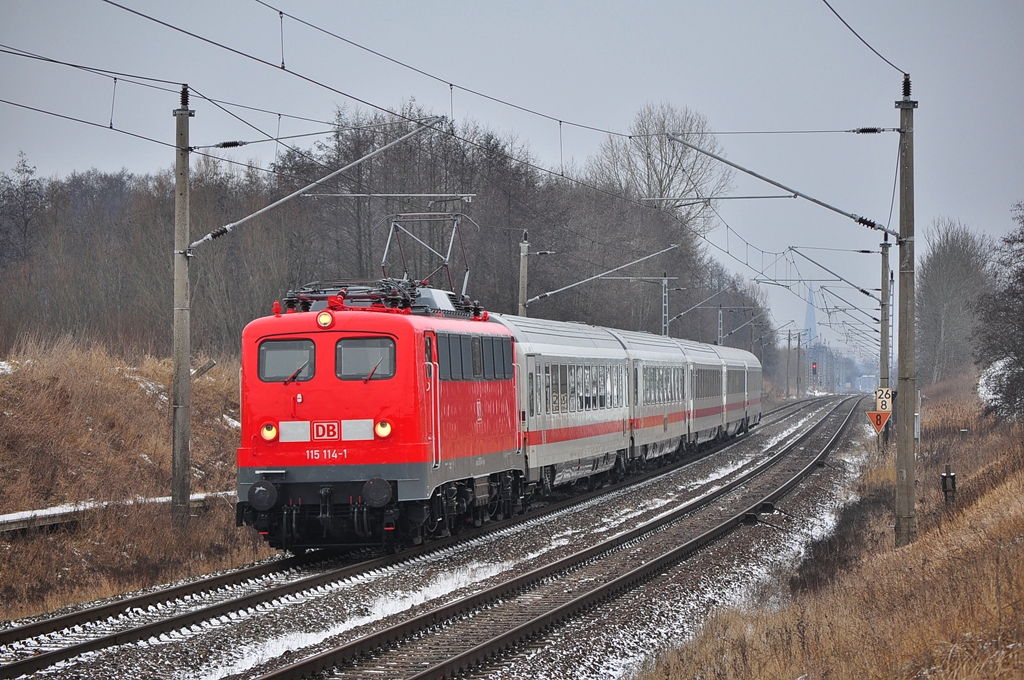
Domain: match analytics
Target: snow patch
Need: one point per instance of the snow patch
(989, 380)
(382, 607)
(148, 386)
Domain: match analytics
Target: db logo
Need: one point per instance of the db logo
(326, 430)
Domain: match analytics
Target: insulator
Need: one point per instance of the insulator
(906, 84)
(184, 96)
(229, 145)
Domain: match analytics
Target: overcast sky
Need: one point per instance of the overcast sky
(747, 66)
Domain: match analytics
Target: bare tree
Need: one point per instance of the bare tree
(952, 275)
(1001, 332)
(647, 164)
(22, 199)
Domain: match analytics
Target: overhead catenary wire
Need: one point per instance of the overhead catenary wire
(545, 170)
(227, 228)
(125, 77)
(136, 135)
(260, 60)
(272, 138)
(856, 218)
(383, 109)
(879, 54)
(134, 79)
(451, 86)
(497, 100)
(220, 104)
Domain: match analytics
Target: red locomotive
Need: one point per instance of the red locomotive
(377, 414)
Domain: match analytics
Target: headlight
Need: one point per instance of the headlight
(269, 432)
(324, 319)
(383, 429)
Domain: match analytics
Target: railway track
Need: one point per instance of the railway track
(447, 641)
(36, 646)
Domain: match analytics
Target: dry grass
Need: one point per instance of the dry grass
(77, 424)
(950, 605)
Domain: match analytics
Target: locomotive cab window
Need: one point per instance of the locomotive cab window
(365, 358)
(287, 360)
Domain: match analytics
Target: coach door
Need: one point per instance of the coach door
(530, 401)
(432, 390)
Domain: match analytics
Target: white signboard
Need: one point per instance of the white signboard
(883, 400)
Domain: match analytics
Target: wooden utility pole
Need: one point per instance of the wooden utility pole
(906, 516)
(181, 398)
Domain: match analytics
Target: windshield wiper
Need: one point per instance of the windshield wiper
(374, 369)
(296, 373)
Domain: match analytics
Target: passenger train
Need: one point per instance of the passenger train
(391, 412)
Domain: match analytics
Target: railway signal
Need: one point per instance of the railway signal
(878, 419)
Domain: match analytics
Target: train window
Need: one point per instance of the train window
(618, 387)
(579, 387)
(610, 385)
(444, 364)
(365, 358)
(287, 360)
(572, 388)
(547, 388)
(500, 349)
(529, 387)
(477, 356)
(602, 387)
(428, 349)
(506, 346)
(538, 395)
(585, 391)
(467, 357)
(455, 357)
(556, 404)
(563, 387)
(488, 349)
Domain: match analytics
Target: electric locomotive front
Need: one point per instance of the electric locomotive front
(330, 422)
(368, 419)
